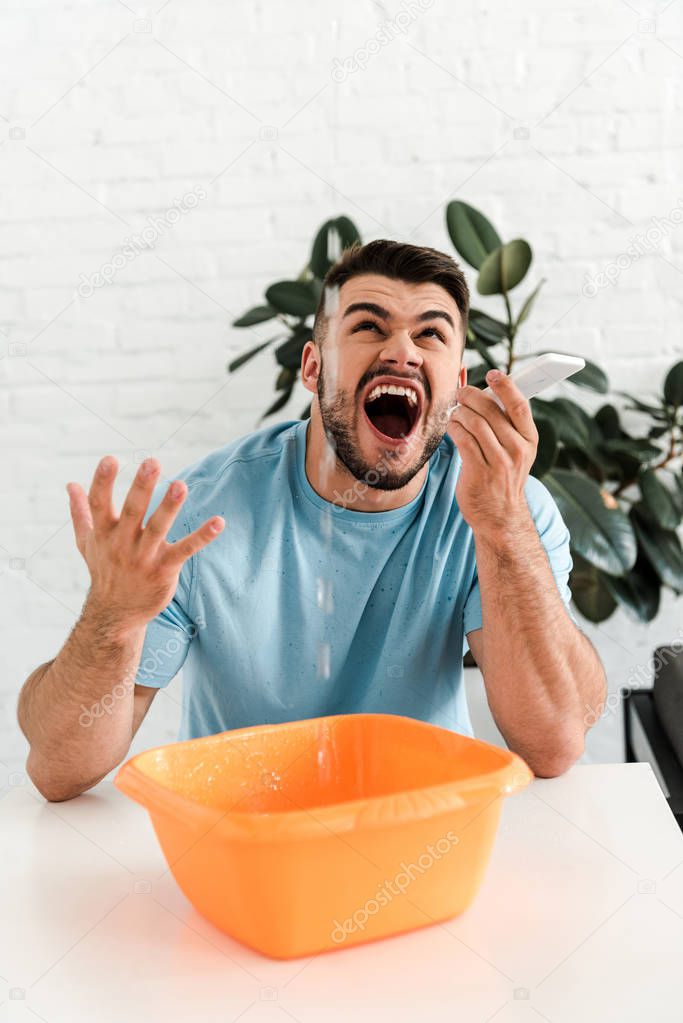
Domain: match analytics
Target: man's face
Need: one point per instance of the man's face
(387, 333)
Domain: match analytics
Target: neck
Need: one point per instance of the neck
(332, 481)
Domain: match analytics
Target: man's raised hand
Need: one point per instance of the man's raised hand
(133, 569)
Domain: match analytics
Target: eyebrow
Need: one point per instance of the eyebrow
(384, 314)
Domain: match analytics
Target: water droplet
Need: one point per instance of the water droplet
(326, 525)
(325, 595)
(271, 780)
(324, 660)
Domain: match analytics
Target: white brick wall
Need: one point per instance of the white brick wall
(117, 124)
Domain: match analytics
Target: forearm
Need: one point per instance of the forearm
(543, 678)
(77, 714)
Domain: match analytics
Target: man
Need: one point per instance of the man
(363, 551)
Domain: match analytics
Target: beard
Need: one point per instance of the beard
(339, 415)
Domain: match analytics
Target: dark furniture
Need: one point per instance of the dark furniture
(653, 725)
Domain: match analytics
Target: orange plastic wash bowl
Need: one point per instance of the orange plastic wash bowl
(319, 834)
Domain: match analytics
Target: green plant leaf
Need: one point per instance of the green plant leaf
(547, 447)
(589, 591)
(476, 375)
(563, 461)
(296, 298)
(285, 380)
(656, 411)
(528, 302)
(581, 437)
(481, 347)
(319, 262)
(579, 417)
(279, 403)
(574, 427)
(504, 268)
(591, 377)
(636, 447)
(673, 385)
(259, 314)
(246, 356)
(638, 591)
(316, 287)
(623, 465)
(568, 431)
(288, 354)
(662, 548)
(579, 461)
(471, 233)
(604, 536)
(661, 502)
(487, 329)
(607, 419)
(346, 232)
(678, 480)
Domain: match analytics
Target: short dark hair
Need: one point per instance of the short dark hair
(415, 264)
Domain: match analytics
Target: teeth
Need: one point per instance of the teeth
(408, 392)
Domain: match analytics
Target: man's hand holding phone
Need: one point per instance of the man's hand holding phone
(497, 449)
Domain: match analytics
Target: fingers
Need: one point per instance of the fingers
(81, 516)
(101, 491)
(163, 517)
(516, 405)
(464, 440)
(514, 431)
(138, 497)
(483, 405)
(468, 424)
(181, 550)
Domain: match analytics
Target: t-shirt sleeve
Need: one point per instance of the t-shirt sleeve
(554, 536)
(168, 636)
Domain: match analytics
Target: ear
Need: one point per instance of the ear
(310, 366)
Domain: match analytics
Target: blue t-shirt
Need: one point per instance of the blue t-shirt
(302, 608)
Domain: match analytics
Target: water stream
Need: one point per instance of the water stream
(325, 584)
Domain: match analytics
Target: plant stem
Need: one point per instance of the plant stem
(669, 457)
(511, 333)
(671, 453)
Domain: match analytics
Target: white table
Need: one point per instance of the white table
(580, 919)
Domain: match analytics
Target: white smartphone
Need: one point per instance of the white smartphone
(543, 371)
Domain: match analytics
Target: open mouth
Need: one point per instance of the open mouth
(392, 411)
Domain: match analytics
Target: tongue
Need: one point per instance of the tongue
(390, 425)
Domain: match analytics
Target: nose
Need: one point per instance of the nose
(400, 351)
